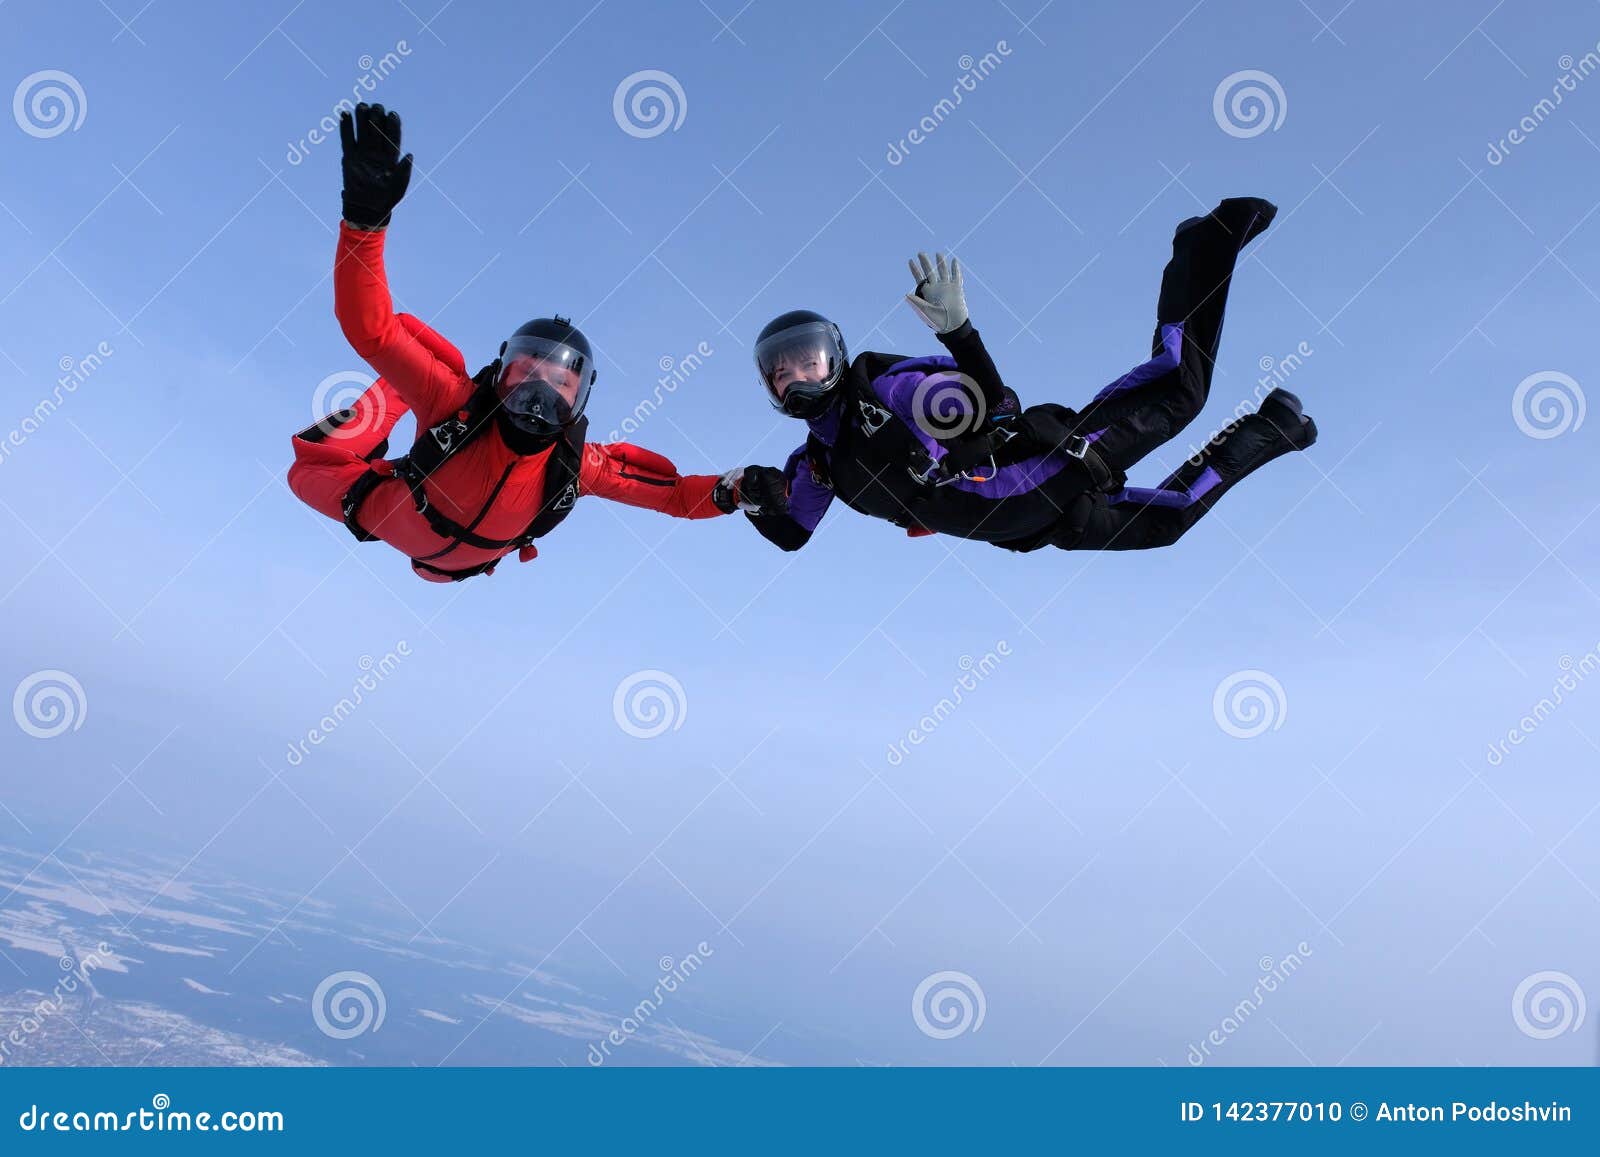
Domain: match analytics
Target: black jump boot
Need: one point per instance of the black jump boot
(1137, 519)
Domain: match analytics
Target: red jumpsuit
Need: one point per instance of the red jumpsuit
(485, 486)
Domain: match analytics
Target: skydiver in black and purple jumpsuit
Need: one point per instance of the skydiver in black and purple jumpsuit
(940, 444)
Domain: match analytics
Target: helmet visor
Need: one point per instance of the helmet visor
(800, 366)
(543, 383)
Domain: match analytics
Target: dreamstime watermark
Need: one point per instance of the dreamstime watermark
(947, 404)
(77, 973)
(48, 103)
(674, 974)
(373, 673)
(948, 1004)
(49, 703)
(1548, 1004)
(674, 372)
(648, 103)
(334, 401)
(1249, 703)
(160, 1117)
(1273, 974)
(1573, 673)
(347, 1005)
(1248, 103)
(649, 703)
(1572, 73)
(973, 73)
(74, 372)
(372, 72)
(1548, 404)
(1274, 373)
(973, 672)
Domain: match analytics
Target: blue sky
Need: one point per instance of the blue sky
(1081, 837)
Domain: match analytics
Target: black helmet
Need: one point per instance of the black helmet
(545, 348)
(812, 350)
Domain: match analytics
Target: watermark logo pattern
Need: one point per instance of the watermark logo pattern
(49, 103)
(1249, 703)
(334, 402)
(1248, 103)
(347, 1005)
(948, 1004)
(947, 405)
(648, 103)
(649, 703)
(1548, 404)
(49, 703)
(1548, 1004)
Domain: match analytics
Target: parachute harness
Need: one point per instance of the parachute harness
(441, 443)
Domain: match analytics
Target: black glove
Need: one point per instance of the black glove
(375, 174)
(765, 489)
(759, 490)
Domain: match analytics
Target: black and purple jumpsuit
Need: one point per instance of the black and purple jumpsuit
(874, 449)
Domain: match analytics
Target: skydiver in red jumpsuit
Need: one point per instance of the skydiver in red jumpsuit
(499, 457)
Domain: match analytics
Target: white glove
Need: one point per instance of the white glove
(940, 298)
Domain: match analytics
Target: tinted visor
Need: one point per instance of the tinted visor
(800, 366)
(543, 383)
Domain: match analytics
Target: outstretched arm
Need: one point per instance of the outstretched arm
(638, 477)
(809, 500)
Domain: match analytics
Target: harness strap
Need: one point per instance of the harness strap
(1105, 477)
(817, 457)
(445, 526)
(432, 451)
(350, 504)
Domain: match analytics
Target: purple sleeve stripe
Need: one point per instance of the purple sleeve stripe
(1178, 499)
(1163, 362)
(1017, 478)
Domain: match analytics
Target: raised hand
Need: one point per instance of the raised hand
(375, 174)
(940, 298)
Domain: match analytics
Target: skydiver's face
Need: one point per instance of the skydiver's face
(563, 379)
(799, 366)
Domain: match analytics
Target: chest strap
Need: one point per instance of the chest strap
(448, 528)
(560, 494)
